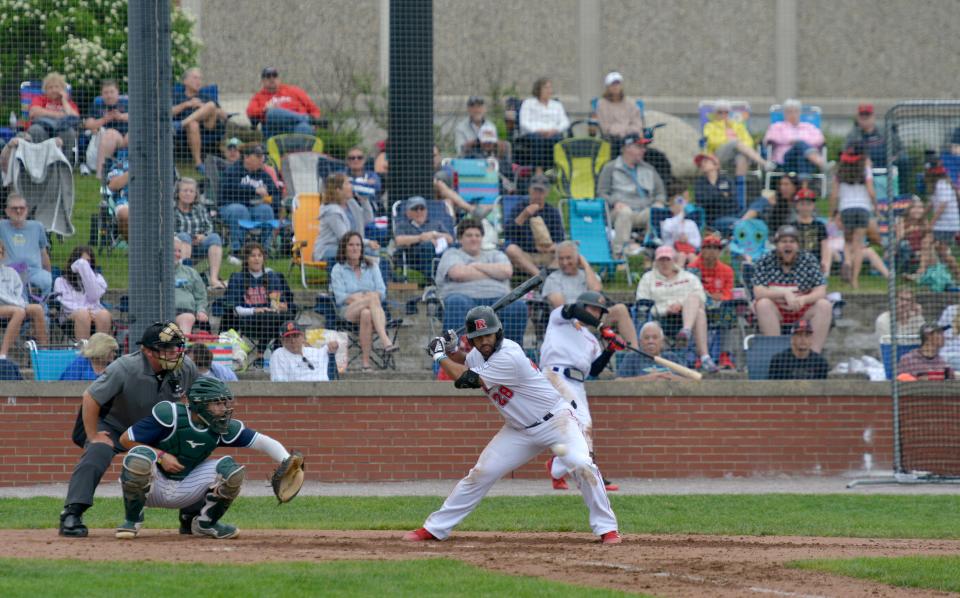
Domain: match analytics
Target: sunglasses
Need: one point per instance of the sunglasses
(354, 157)
(418, 208)
(306, 361)
(271, 76)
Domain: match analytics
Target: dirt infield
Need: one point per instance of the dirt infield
(679, 565)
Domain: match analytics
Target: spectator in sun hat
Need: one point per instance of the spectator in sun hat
(788, 286)
(799, 362)
(616, 114)
(282, 108)
(630, 187)
(925, 362)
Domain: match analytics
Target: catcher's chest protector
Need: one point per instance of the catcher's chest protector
(190, 445)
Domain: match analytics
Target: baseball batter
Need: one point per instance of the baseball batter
(569, 355)
(536, 417)
(167, 463)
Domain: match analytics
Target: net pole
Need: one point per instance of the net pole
(410, 129)
(890, 129)
(151, 166)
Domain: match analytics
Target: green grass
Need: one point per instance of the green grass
(755, 515)
(940, 573)
(425, 577)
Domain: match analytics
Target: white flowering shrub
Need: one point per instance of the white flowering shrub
(86, 40)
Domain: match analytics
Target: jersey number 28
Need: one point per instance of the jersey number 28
(502, 396)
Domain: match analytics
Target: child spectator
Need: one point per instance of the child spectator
(914, 241)
(678, 231)
(14, 308)
(946, 215)
(853, 197)
(80, 289)
(813, 232)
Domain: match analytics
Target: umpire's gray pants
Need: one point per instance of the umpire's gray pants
(93, 463)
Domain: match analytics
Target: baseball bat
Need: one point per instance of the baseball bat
(673, 366)
(517, 293)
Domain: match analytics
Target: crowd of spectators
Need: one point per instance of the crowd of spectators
(447, 238)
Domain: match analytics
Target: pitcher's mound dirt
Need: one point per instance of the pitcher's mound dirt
(680, 565)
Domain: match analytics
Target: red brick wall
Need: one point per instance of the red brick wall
(401, 438)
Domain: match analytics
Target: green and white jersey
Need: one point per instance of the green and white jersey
(170, 428)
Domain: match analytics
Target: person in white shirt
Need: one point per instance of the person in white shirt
(295, 362)
(678, 231)
(543, 121)
(946, 215)
(569, 355)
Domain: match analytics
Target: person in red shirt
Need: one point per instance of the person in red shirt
(53, 113)
(717, 279)
(280, 107)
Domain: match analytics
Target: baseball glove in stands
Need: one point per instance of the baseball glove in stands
(288, 477)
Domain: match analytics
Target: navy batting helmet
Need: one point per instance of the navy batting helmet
(482, 320)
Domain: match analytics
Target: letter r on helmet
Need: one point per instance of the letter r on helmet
(481, 324)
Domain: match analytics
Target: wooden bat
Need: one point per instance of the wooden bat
(514, 295)
(673, 366)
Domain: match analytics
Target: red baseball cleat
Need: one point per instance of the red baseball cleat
(610, 486)
(725, 362)
(611, 538)
(558, 483)
(418, 535)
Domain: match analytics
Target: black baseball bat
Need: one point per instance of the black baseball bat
(517, 293)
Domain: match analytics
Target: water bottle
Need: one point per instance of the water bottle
(13, 120)
(266, 359)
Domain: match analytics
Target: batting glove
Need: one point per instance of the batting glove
(614, 341)
(452, 341)
(437, 348)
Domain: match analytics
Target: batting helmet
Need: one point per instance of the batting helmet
(593, 298)
(206, 391)
(482, 320)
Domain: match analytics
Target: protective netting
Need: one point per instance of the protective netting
(922, 346)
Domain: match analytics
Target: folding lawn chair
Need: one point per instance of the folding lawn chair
(808, 114)
(905, 344)
(305, 215)
(50, 363)
(579, 161)
(299, 172)
(588, 228)
(326, 306)
(279, 146)
(760, 351)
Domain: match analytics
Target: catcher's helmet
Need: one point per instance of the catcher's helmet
(593, 298)
(205, 391)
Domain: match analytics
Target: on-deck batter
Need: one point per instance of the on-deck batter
(536, 418)
(569, 355)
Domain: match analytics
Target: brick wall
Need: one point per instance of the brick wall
(368, 437)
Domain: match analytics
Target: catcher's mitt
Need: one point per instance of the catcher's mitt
(288, 477)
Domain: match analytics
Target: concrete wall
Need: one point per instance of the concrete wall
(835, 52)
(363, 431)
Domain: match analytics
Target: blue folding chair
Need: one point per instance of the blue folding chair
(760, 351)
(49, 364)
(810, 115)
(588, 228)
(905, 344)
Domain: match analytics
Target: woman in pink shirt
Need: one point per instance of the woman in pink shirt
(80, 289)
(796, 144)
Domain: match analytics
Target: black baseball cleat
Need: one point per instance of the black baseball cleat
(71, 525)
(186, 519)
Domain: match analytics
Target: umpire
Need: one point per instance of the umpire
(122, 395)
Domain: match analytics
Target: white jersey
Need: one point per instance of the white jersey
(568, 344)
(515, 385)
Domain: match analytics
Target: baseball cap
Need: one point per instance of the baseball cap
(927, 329)
(611, 78)
(253, 148)
(865, 109)
(699, 158)
(162, 335)
(540, 182)
(712, 241)
(632, 138)
(269, 71)
(787, 230)
(488, 133)
(415, 201)
(290, 328)
(801, 327)
(475, 101)
(664, 252)
(233, 142)
(805, 194)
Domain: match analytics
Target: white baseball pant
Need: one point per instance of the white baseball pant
(510, 449)
(571, 391)
(177, 494)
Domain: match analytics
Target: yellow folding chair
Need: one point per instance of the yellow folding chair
(306, 226)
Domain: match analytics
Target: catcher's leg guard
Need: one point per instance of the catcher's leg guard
(135, 478)
(223, 492)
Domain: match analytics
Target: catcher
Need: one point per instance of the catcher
(167, 461)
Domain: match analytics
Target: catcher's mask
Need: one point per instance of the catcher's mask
(165, 338)
(206, 392)
(481, 321)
